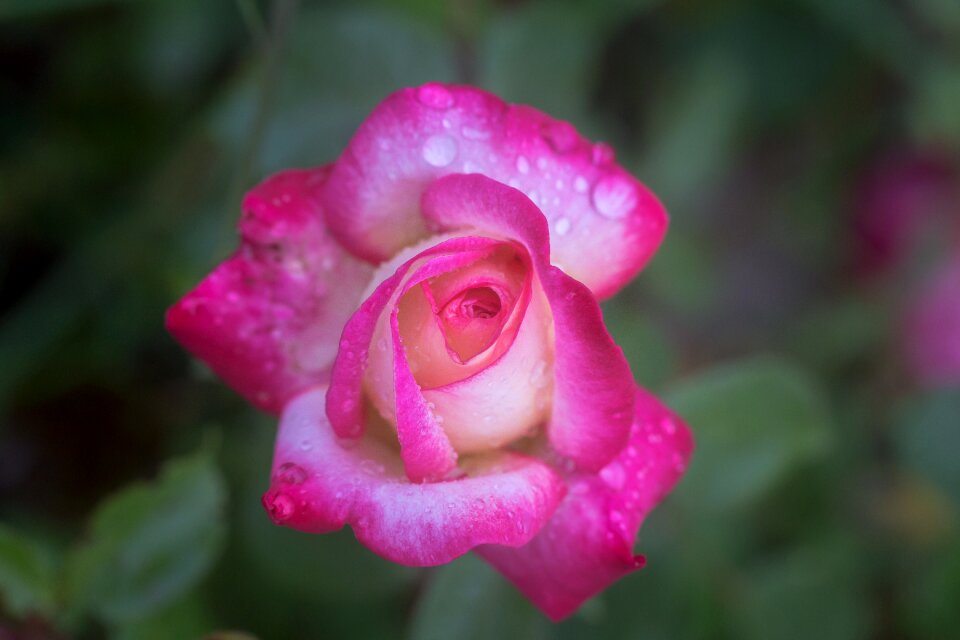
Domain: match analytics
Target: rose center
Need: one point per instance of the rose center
(480, 302)
(472, 319)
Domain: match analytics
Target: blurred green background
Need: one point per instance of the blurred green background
(823, 499)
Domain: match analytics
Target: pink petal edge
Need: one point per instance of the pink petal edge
(604, 224)
(320, 483)
(588, 543)
(268, 319)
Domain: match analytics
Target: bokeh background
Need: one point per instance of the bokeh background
(806, 149)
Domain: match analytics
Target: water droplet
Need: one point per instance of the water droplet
(602, 154)
(613, 475)
(559, 184)
(654, 438)
(561, 136)
(291, 473)
(435, 96)
(470, 133)
(581, 184)
(668, 425)
(306, 445)
(562, 227)
(348, 405)
(523, 165)
(538, 377)
(371, 467)
(614, 196)
(382, 344)
(488, 419)
(542, 163)
(439, 150)
(679, 464)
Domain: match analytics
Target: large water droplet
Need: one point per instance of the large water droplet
(613, 475)
(581, 184)
(523, 165)
(291, 473)
(439, 150)
(614, 196)
(562, 227)
(561, 136)
(435, 96)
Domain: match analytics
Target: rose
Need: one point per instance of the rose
(474, 399)
(931, 332)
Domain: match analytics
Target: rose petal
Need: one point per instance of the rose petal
(604, 224)
(588, 543)
(320, 484)
(267, 320)
(932, 329)
(594, 390)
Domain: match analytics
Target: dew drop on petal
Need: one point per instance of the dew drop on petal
(439, 150)
(614, 197)
(561, 136)
(613, 475)
(435, 96)
(280, 506)
(562, 227)
(602, 154)
(523, 165)
(472, 133)
(581, 184)
(291, 473)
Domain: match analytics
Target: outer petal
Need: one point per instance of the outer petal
(588, 543)
(320, 484)
(593, 386)
(932, 332)
(267, 320)
(604, 224)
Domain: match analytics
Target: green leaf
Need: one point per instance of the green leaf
(467, 599)
(928, 439)
(816, 591)
(150, 543)
(184, 618)
(27, 574)
(754, 422)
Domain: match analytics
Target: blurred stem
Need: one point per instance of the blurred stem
(252, 19)
(282, 14)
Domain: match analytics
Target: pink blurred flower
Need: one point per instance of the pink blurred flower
(424, 314)
(900, 201)
(932, 328)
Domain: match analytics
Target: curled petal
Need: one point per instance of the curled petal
(268, 319)
(320, 484)
(604, 224)
(588, 543)
(593, 385)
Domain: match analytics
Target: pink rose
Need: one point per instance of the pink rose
(424, 314)
(932, 329)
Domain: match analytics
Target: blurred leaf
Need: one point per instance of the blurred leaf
(838, 333)
(545, 55)
(23, 8)
(754, 422)
(649, 350)
(928, 438)
(935, 104)
(150, 543)
(27, 575)
(467, 599)
(184, 618)
(817, 591)
(693, 127)
(932, 593)
(682, 272)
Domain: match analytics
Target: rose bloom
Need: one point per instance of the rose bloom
(931, 335)
(423, 313)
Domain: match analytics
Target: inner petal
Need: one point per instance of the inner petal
(472, 320)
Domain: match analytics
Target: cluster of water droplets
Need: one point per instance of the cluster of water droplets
(613, 196)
